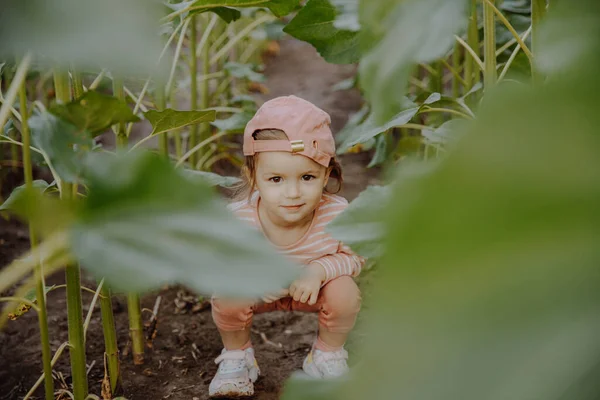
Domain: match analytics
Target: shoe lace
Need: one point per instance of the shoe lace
(333, 360)
(233, 360)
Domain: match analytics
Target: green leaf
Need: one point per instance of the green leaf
(277, 7)
(447, 133)
(236, 123)
(243, 98)
(44, 213)
(381, 151)
(11, 202)
(9, 127)
(144, 224)
(211, 178)
(245, 71)
(65, 145)
(360, 225)
(94, 112)
(369, 129)
(400, 34)
(117, 35)
(23, 308)
(169, 119)
(516, 6)
(355, 119)
(490, 286)
(314, 24)
(226, 14)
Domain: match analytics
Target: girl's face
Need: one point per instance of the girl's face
(290, 186)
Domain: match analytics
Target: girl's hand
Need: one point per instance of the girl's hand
(271, 297)
(306, 288)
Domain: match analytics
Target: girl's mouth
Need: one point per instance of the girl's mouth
(293, 207)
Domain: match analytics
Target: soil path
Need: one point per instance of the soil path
(180, 364)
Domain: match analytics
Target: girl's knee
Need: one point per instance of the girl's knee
(342, 296)
(231, 315)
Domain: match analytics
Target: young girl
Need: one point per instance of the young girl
(290, 153)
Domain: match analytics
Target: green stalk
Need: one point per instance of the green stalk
(161, 105)
(119, 93)
(73, 278)
(471, 71)
(77, 83)
(39, 275)
(436, 76)
(110, 339)
(176, 133)
(204, 99)
(135, 328)
(538, 11)
(133, 300)
(490, 75)
(108, 320)
(456, 61)
(194, 86)
(14, 150)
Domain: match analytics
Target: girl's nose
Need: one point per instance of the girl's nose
(292, 190)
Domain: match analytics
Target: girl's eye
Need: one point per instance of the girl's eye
(308, 177)
(275, 179)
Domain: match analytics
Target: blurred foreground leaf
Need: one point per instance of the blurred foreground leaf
(169, 119)
(490, 286)
(360, 226)
(143, 225)
(94, 112)
(119, 35)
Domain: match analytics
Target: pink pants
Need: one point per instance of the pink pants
(338, 305)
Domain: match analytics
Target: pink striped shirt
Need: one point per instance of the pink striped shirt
(316, 245)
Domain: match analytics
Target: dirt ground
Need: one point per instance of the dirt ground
(180, 364)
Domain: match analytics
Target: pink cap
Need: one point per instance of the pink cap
(306, 125)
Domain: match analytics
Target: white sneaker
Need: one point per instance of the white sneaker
(236, 375)
(326, 364)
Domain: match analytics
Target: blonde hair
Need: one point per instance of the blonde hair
(245, 189)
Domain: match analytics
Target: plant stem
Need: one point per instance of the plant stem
(538, 11)
(435, 78)
(77, 83)
(39, 274)
(490, 75)
(160, 105)
(135, 322)
(110, 339)
(204, 99)
(13, 90)
(471, 72)
(456, 64)
(135, 328)
(121, 132)
(73, 278)
(194, 84)
(511, 29)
